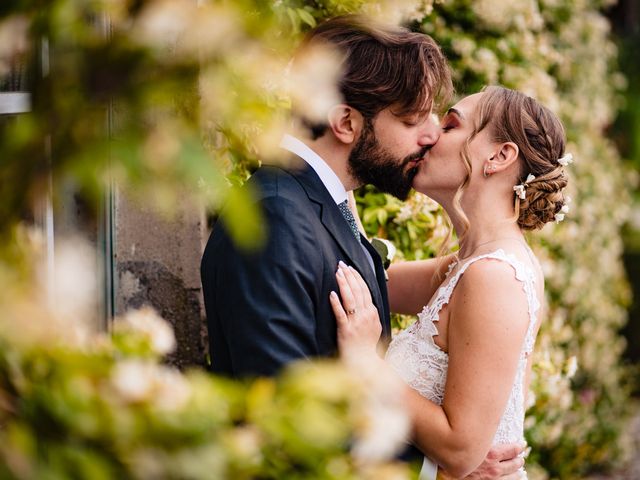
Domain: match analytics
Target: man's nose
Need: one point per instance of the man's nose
(430, 133)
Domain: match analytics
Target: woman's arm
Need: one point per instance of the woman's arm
(488, 321)
(487, 324)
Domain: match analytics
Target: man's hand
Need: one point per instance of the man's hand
(503, 462)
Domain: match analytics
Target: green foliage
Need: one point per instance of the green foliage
(170, 100)
(192, 100)
(404, 224)
(67, 414)
(76, 404)
(560, 53)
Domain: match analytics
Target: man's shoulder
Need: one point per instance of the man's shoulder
(272, 183)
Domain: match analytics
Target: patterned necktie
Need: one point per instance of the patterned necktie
(348, 216)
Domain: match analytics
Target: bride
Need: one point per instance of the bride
(498, 170)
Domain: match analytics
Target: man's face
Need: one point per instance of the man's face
(390, 149)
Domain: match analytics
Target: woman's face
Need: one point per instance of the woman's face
(443, 170)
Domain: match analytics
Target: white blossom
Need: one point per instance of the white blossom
(144, 381)
(566, 160)
(387, 424)
(133, 379)
(148, 322)
(70, 284)
(572, 366)
(312, 82)
(520, 191)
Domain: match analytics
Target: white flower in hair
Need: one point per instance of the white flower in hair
(566, 160)
(564, 209)
(559, 217)
(520, 189)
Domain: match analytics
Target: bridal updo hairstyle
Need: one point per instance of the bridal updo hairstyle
(514, 117)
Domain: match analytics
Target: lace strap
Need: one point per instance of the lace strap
(522, 273)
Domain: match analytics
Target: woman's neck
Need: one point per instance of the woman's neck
(488, 221)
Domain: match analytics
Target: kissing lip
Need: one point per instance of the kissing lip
(415, 163)
(418, 161)
(421, 157)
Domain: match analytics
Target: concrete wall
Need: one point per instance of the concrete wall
(157, 263)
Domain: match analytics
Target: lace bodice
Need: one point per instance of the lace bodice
(414, 355)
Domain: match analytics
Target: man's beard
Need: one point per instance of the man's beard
(370, 163)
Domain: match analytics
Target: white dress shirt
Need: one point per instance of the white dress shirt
(327, 176)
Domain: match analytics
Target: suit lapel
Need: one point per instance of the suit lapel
(334, 222)
(385, 316)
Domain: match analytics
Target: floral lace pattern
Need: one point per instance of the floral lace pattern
(414, 355)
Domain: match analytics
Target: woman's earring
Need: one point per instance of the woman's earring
(491, 168)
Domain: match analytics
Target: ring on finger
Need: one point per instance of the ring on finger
(351, 312)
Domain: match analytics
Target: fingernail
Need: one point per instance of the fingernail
(333, 295)
(342, 264)
(340, 272)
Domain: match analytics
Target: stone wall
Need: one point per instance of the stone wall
(157, 263)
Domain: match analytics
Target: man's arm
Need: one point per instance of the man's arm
(502, 462)
(266, 300)
(410, 282)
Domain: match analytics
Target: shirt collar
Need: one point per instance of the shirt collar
(327, 176)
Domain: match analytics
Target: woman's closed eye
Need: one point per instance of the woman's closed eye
(449, 123)
(451, 120)
(449, 126)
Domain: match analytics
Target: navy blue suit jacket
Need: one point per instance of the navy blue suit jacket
(268, 308)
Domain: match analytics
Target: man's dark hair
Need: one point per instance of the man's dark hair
(383, 67)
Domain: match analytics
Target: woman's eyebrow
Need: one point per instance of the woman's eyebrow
(456, 111)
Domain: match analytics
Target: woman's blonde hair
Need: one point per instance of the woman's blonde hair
(512, 116)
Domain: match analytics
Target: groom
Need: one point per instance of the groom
(268, 308)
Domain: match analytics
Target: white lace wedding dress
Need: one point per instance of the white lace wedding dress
(414, 355)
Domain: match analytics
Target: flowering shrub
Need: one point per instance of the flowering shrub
(194, 96)
(79, 404)
(560, 53)
(102, 412)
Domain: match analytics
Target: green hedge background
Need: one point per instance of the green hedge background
(197, 100)
(560, 53)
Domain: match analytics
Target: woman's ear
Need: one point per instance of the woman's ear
(505, 156)
(345, 122)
